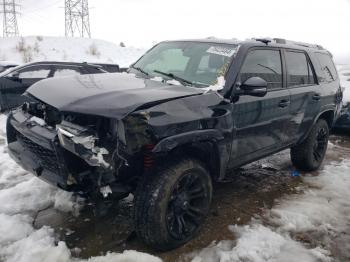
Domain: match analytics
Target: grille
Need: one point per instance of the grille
(47, 158)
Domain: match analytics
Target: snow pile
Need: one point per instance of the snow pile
(21, 196)
(344, 75)
(259, 244)
(306, 227)
(219, 85)
(37, 48)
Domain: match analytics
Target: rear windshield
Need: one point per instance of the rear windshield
(329, 72)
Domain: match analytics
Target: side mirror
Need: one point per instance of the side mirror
(254, 86)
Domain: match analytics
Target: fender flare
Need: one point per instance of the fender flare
(329, 109)
(170, 143)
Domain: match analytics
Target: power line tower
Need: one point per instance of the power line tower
(77, 18)
(9, 10)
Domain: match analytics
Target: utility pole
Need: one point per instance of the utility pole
(77, 19)
(9, 11)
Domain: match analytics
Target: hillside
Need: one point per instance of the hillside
(37, 48)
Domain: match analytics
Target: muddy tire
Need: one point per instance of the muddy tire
(308, 155)
(171, 204)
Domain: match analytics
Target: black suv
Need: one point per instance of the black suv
(183, 115)
(14, 82)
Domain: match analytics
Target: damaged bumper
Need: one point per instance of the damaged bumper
(66, 156)
(35, 149)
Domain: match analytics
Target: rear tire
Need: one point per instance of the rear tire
(308, 155)
(171, 204)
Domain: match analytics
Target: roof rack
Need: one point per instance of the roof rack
(266, 41)
(287, 42)
(284, 41)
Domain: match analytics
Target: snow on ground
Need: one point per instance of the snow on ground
(38, 48)
(21, 196)
(304, 227)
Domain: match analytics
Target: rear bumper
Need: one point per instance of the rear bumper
(36, 149)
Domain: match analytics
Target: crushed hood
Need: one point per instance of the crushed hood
(109, 95)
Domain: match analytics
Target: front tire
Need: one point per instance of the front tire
(171, 204)
(308, 155)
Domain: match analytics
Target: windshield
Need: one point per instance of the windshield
(192, 63)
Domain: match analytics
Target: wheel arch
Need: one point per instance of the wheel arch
(328, 116)
(201, 145)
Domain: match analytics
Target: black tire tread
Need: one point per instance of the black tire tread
(146, 216)
(300, 153)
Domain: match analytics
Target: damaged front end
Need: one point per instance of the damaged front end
(79, 153)
(83, 143)
(99, 156)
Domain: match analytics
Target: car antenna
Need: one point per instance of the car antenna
(263, 40)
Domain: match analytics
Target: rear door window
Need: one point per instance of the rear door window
(265, 64)
(299, 69)
(35, 72)
(327, 67)
(66, 71)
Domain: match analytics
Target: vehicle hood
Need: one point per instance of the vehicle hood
(109, 95)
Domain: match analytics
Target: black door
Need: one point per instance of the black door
(14, 84)
(261, 122)
(305, 93)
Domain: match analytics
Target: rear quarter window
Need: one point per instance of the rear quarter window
(328, 70)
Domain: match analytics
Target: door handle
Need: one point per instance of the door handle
(316, 97)
(284, 103)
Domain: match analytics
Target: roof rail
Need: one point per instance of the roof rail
(284, 41)
(266, 41)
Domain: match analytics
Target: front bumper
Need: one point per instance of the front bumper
(36, 149)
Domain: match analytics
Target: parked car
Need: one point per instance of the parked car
(14, 82)
(185, 114)
(343, 123)
(4, 65)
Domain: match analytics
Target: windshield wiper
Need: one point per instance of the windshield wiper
(269, 68)
(175, 77)
(140, 70)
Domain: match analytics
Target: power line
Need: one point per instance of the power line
(77, 19)
(9, 10)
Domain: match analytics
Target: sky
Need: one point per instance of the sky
(141, 23)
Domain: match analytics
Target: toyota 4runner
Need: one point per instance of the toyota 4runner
(181, 117)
